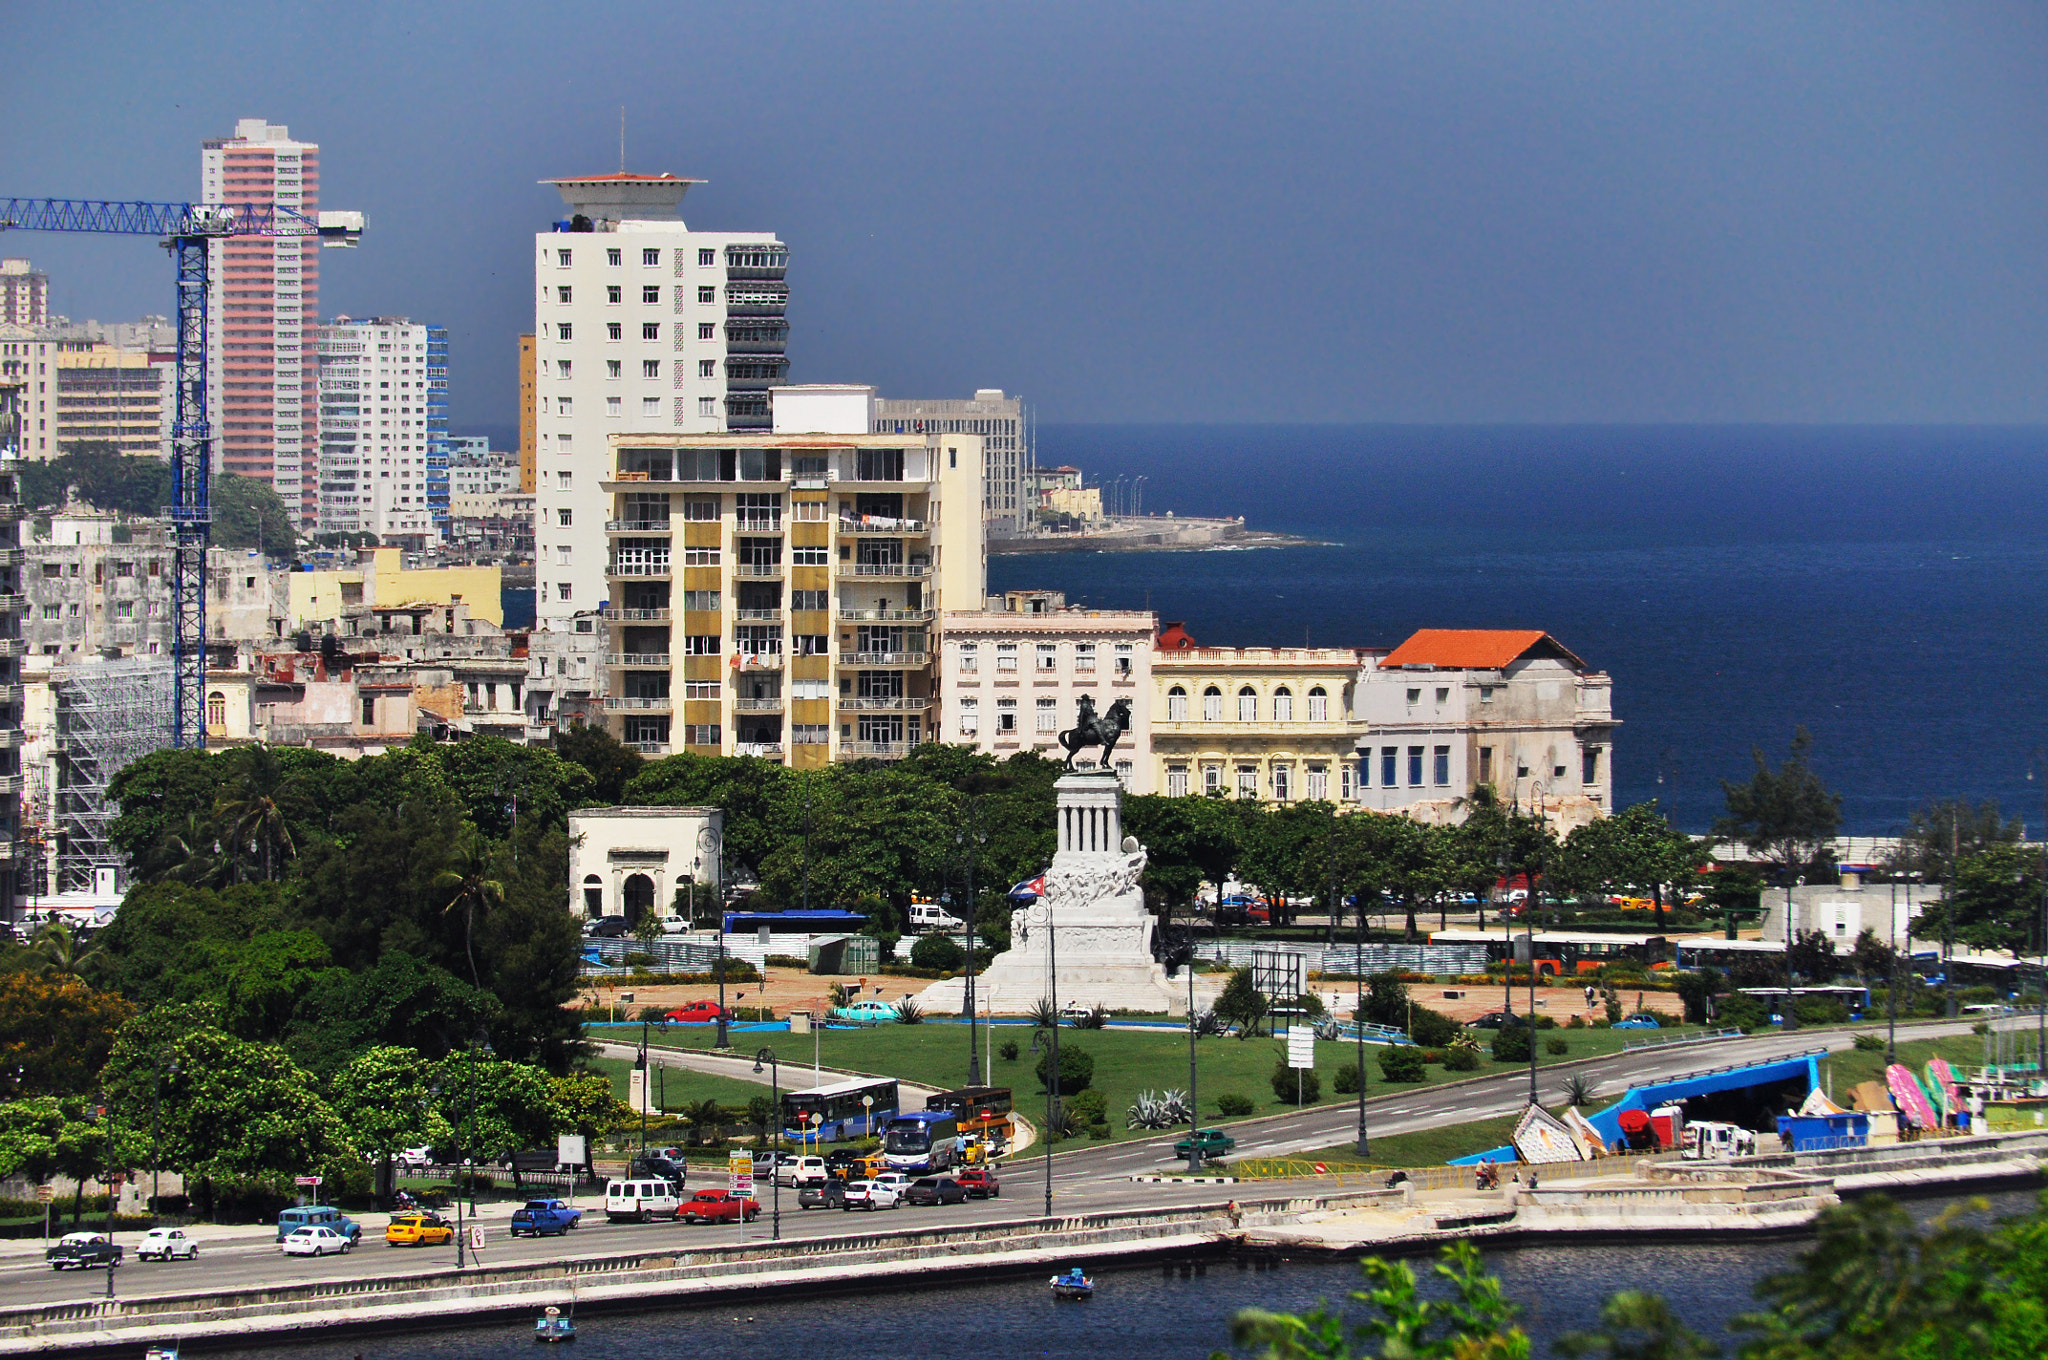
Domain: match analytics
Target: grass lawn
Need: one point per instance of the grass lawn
(1126, 1063)
(1424, 1147)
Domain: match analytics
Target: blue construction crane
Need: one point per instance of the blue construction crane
(185, 229)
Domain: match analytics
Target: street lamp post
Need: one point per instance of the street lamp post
(1891, 1000)
(970, 839)
(1536, 886)
(1039, 1045)
(647, 1076)
(1194, 1090)
(155, 1125)
(106, 1114)
(767, 1055)
(1358, 1023)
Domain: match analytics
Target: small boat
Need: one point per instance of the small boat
(161, 1353)
(1072, 1285)
(552, 1326)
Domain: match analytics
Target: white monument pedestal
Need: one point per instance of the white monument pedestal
(1091, 921)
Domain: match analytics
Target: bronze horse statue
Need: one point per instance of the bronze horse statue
(1090, 730)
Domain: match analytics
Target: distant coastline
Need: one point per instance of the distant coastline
(1156, 533)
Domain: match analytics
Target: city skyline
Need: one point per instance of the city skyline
(1469, 213)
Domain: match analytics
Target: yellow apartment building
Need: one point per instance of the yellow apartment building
(379, 578)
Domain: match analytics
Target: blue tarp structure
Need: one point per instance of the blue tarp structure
(1650, 1097)
(804, 922)
(1822, 1132)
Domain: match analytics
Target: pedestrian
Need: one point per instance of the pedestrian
(1236, 1214)
(1589, 998)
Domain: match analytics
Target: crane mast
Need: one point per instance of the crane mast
(187, 230)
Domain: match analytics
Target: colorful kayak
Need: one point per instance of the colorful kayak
(1941, 1084)
(1911, 1100)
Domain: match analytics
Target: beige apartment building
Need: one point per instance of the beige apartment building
(1271, 723)
(1451, 709)
(774, 593)
(1011, 678)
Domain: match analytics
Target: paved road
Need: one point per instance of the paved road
(248, 1262)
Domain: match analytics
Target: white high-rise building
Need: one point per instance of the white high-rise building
(263, 308)
(642, 326)
(375, 439)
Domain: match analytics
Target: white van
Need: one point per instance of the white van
(927, 916)
(639, 1200)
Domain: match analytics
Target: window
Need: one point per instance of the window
(810, 644)
(562, 517)
(1084, 658)
(1415, 767)
(562, 479)
(970, 658)
(1176, 704)
(562, 368)
(650, 406)
(53, 611)
(1212, 704)
(701, 689)
(563, 405)
(1441, 760)
(810, 599)
(1557, 772)
(1176, 781)
(650, 368)
(614, 369)
(707, 257)
(1006, 658)
(1123, 660)
(813, 556)
(650, 330)
(564, 331)
(1048, 657)
(1414, 697)
(1283, 705)
(1247, 705)
(701, 599)
(970, 717)
(1006, 717)
(707, 294)
(611, 257)
(650, 292)
(369, 711)
(1318, 705)
(1318, 783)
(1248, 781)
(1486, 694)
(1123, 771)
(701, 734)
(1485, 763)
(52, 569)
(707, 406)
(1283, 782)
(1212, 778)
(700, 644)
(614, 408)
(1589, 762)
(562, 258)
(706, 331)
(614, 331)
(810, 734)
(1390, 766)
(1345, 768)
(1521, 768)
(650, 255)
(1443, 695)
(700, 557)
(614, 294)
(1048, 715)
(707, 368)
(562, 590)
(562, 292)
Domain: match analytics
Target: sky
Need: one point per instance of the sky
(1455, 211)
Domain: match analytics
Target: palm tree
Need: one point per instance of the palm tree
(190, 853)
(467, 881)
(58, 949)
(254, 821)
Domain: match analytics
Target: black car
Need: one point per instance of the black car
(935, 1190)
(827, 1194)
(661, 1168)
(1497, 1020)
(82, 1251)
(611, 928)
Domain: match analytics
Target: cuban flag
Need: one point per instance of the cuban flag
(1030, 889)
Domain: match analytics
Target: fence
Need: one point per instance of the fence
(1421, 1177)
(1667, 1040)
(1438, 960)
(674, 956)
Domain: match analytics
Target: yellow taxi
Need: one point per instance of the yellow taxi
(418, 1230)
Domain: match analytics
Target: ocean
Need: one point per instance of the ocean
(1883, 587)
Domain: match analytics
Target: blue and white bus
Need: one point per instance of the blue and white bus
(922, 1142)
(831, 1114)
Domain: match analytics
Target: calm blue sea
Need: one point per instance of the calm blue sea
(1885, 587)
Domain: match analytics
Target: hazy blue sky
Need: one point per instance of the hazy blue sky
(1373, 212)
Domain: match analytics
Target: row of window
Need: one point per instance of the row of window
(1281, 782)
(616, 256)
(615, 368)
(1281, 711)
(1045, 657)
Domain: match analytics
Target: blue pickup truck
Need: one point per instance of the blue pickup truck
(544, 1218)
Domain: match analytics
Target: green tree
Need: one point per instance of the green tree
(1241, 1003)
(384, 1097)
(610, 763)
(471, 892)
(1637, 1326)
(588, 1105)
(938, 952)
(1995, 897)
(1939, 836)
(1473, 1321)
(1785, 817)
(1077, 1069)
(1635, 851)
(496, 1107)
(55, 1032)
(57, 948)
(103, 476)
(248, 513)
(257, 984)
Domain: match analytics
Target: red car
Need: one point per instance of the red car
(979, 1183)
(720, 1206)
(696, 1013)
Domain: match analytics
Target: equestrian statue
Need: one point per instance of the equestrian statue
(1090, 730)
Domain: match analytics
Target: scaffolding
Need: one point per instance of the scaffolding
(109, 713)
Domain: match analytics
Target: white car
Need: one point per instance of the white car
(875, 1194)
(894, 1180)
(801, 1171)
(166, 1244)
(313, 1241)
(414, 1157)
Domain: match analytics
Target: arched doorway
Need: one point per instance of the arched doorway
(593, 896)
(639, 898)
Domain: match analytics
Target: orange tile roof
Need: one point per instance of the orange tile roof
(1486, 649)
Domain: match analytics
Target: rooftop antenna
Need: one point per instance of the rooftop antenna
(622, 139)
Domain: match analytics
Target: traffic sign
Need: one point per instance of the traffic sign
(741, 1172)
(45, 1193)
(476, 1237)
(1301, 1046)
(306, 1180)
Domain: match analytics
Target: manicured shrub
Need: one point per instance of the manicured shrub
(936, 951)
(1556, 1046)
(1234, 1104)
(1090, 1107)
(1511, 1044)
(1432, 1029)
(1008, 1051)
(1077, 1069)
(1296, 1085)
(1345, 1080)
(1401, 1062)
(1461, 1058)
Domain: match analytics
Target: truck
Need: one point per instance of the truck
(544, 1218)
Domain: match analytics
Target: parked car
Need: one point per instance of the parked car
(166, 1244)
(935, 1190)
(825, 1194)
(1213, 1143)
(318, 1240)
(873, 1195)
(82, 1251)
(864, 1012)
(802, 1171)
(659, 1164)
(696, 1013)
(641, 1198)
(415, 1159)
(418, 1230)
(609, 928)
(1638, 1022)
(720, 1206)
(899, 1181)
(317, 1216)
(927, 916)
(1496, 1019)
(544, 1218)
(848, 1164)
(980, 1183)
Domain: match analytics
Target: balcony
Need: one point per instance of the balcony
(11, 738)
(659, 569)
(13, 647)
(641, 615)
(647, 748)
(13, 557)
(897, 704)
(636, 526)
(885, 615)
(758, 571)
(772, 704)
(757, 522)
(876, 750)
(896, 570)
(884, 658)
(652, 660)
(880, 524)
(766, 750)
(631, 704)
(10, 694)
(10, 783)
(758, 615)
(10, 603)
(760, 661)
